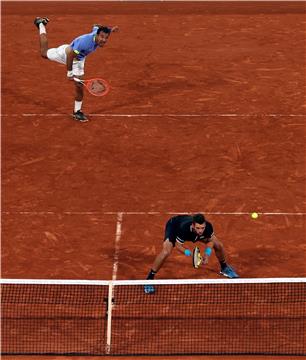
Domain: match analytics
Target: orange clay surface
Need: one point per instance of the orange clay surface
(217, 97)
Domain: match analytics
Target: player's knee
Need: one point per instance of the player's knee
(166, 251)
(79, 87)
(43, 54)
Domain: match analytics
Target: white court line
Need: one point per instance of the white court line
(157, 115)
(162, 1)
(121, 213)
(117, 245)
(159, 282)
(224, 1)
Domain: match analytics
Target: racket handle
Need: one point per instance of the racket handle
(78, 80)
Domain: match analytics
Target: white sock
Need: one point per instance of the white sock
(77, 105)
(42, 29)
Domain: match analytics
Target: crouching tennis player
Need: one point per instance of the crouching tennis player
(73, 55)
(194, 228)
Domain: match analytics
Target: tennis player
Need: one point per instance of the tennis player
(182, 228)
(73, 55)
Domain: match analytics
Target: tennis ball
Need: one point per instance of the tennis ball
(254, 215)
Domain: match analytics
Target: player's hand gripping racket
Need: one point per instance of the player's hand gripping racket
(97, 87)
(196, 258)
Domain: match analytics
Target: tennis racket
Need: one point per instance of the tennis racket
(97, 87)
(196, 258)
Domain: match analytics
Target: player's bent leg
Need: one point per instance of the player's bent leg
(43, 40)
(58, 54)
(78, 71)
(219, 251)
(226, 270)
(79, 94)
(41, 23)
(159, 261)
(163, 255)
(79, 91)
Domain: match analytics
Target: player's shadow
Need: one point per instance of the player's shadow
(136, 264)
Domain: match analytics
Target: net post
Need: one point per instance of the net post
(109, 318)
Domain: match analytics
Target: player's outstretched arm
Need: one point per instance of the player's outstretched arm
(114, 28)
(70, 56)
(208, 249)
(182, 249)
(111, 29)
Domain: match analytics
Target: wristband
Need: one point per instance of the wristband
(187, 252)
(207, 251)
(69, 73)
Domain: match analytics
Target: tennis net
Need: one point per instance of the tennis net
(238, 316)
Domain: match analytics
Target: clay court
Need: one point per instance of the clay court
(206, 113)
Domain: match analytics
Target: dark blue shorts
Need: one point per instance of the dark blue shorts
(170, 231)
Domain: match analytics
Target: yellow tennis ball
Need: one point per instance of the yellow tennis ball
(254, 215)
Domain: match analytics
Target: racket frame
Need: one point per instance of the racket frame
(85, 82)
(196, 258)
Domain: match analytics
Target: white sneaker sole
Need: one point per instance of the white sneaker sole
(230, 277)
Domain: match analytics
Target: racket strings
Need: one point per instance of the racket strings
(96, 87)
(197, 258)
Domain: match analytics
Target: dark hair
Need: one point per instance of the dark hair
(198, 218)
(105, 29)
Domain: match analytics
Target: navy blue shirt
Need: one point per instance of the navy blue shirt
(184, 232)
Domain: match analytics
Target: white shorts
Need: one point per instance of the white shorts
(59, 55)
